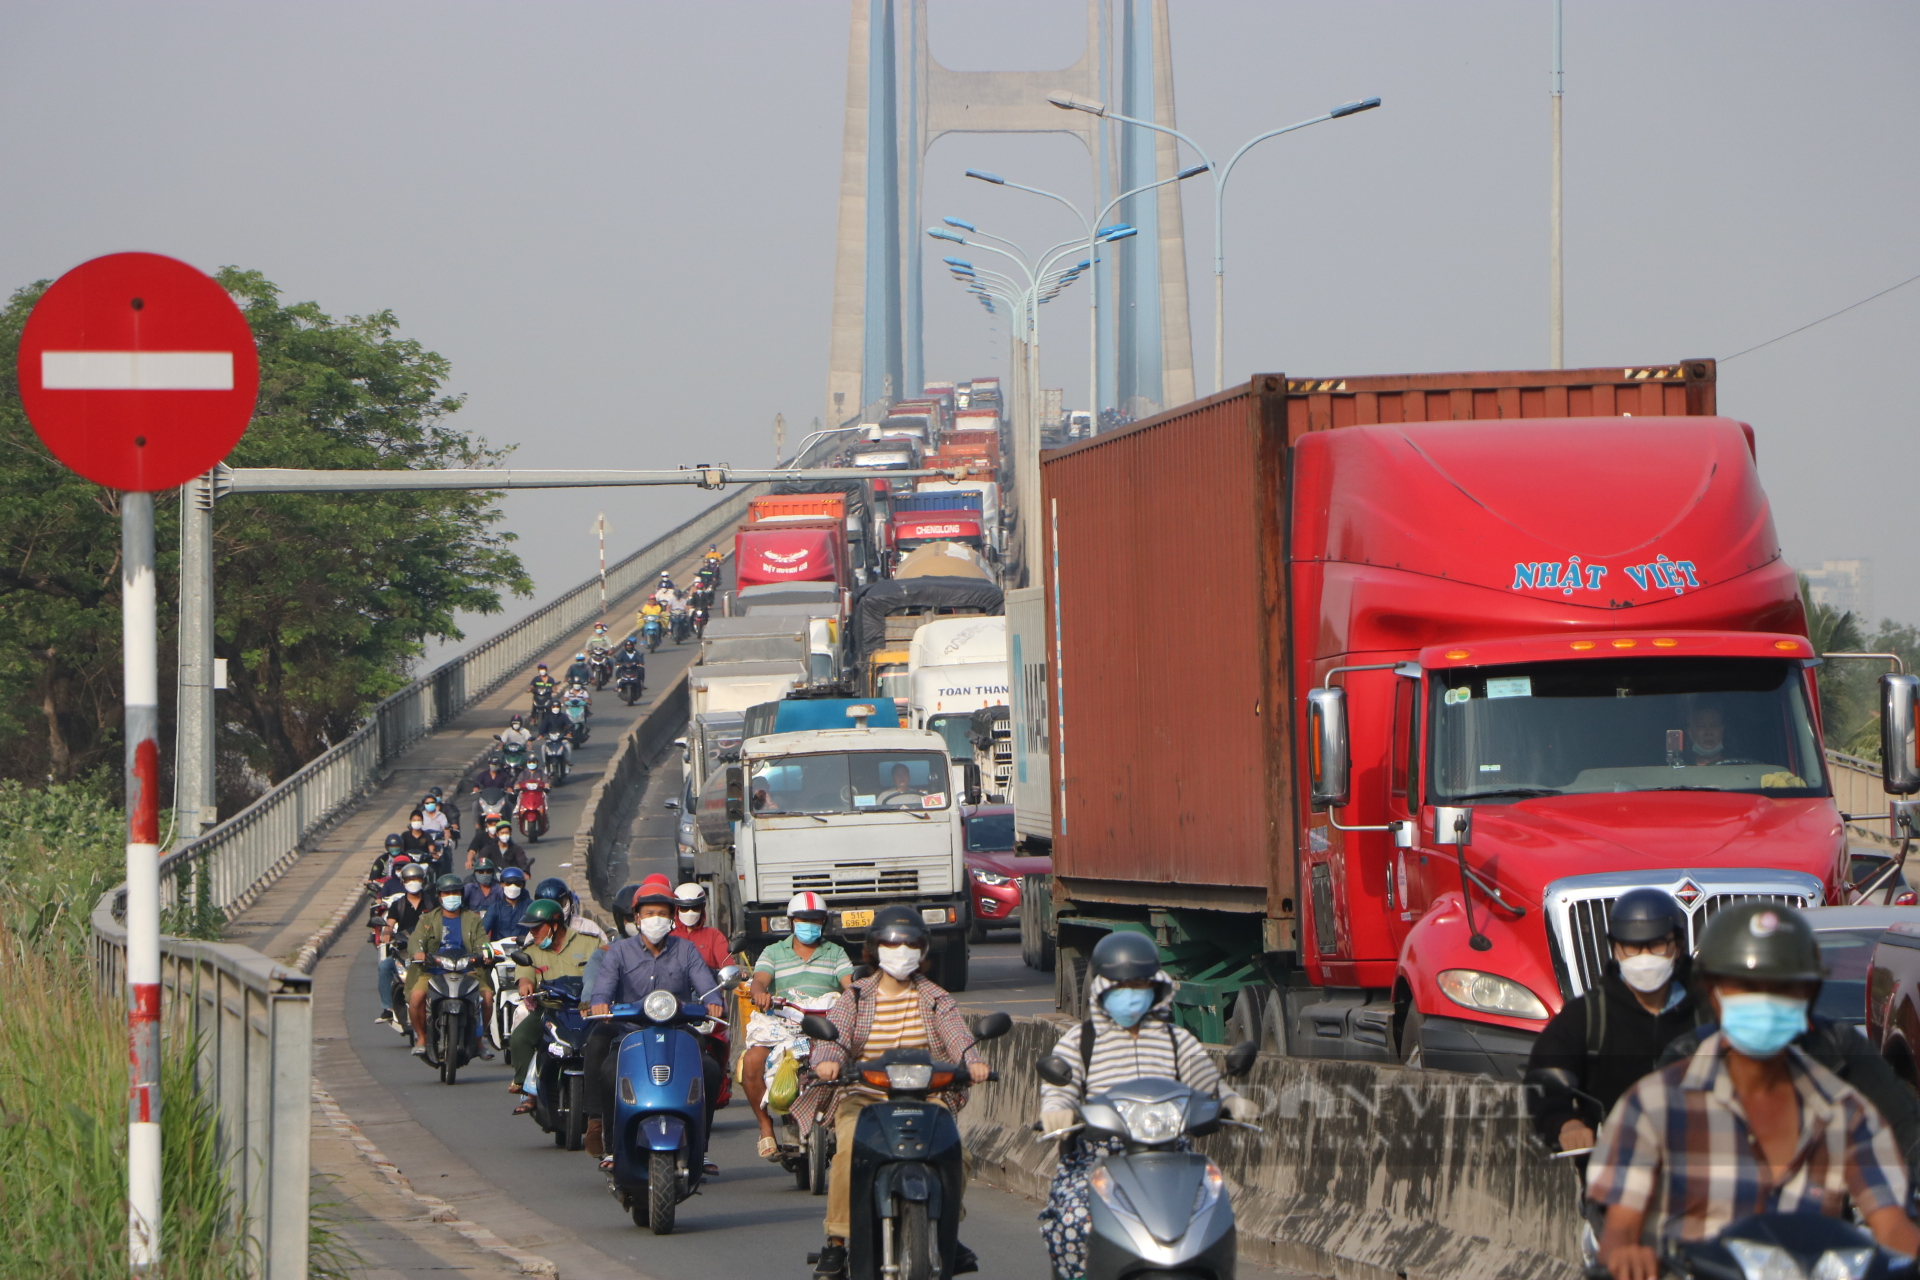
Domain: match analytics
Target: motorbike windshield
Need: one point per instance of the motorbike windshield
(1502, 734)
(850, 782)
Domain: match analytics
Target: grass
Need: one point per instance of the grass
(63, 1074)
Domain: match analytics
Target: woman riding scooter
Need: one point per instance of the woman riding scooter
(896, 1008)
(1127, 1035)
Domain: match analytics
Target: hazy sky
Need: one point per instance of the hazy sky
(616, 219)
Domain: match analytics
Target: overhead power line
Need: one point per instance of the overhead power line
(1823, 319)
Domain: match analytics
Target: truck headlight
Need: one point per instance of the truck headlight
(1491, 993)
(936, 915)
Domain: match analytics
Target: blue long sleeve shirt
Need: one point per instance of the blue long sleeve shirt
(629, 971)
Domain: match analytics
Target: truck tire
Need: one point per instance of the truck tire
(1069, 984)
(1036, 941)
(954, 963)
(1408, 1041)
(1248, 1018)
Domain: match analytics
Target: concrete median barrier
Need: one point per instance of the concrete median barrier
(1363, 1171)
(609, 809)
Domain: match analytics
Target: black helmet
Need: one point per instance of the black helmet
(899, 926)
(543, 911)
(393, 840)
(552, 888)
(1763, 940)
(1124, 957)
(449, 884)
(623, 906)
(1640, 916)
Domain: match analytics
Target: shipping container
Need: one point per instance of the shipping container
(797, 506)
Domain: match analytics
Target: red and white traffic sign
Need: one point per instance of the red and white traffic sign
(138, 371)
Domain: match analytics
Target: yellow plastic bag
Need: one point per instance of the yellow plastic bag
(784, 1087)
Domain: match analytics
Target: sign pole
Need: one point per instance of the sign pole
(141, 670)
(600, 524)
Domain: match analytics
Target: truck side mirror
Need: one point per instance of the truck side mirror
(1452, 825)
(736, 794)
(1897, 770)
(971, 770)
(1327, 747)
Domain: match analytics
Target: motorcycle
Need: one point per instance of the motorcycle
(602, 668)
(632, 681)
(809, 1158)
(558, 755)
(453, 1014)
(493, 802)
(576, 709)
(1786, 1245)
(508, 1008)
(530, 814)
(700, 614)
(659, 1133)
(650, 632)
(557, 1076)
(542, 698)
(682, 626)
(1155, 1208)
(907, 1168)
(396, 950)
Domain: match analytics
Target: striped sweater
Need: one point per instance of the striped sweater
(1161, 1049)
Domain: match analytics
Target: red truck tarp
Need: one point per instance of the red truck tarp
(791, 551)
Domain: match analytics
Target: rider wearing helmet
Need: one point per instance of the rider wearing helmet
(484, 889)
(553, 951)
(897, 1007)
(1749, 1123)
(501, 918)
(690, 922)
(383, 863)
(1128, 1033)
(1612, 1035)
(804, 968)
(399, 915)
(452, 932)
(580, 673)
(555, 889)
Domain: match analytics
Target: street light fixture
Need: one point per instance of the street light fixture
(1069, 102)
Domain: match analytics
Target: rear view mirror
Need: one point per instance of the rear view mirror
(728, 975)
(1898, 773)
(1553, 1079)
(971, 770)
(520, 957)
(993, 1026)
(736, 794)
(816, 1027)
(1327, 747)
(1054, 1069)
(1240, 1058)
(670, 804)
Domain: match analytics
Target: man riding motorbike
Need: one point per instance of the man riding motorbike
(382, 867)
(508, 907)
(631, 660)
(401, 912)
(506, 852)
(554, 889)
(1128, 1034)
(896, 1008)
(555, 952)
(452, 932)
(581, 672)
(654, 960)
(800, 968)
(516, 733)
(543, 687)
(484, 889)
(1748, 1123)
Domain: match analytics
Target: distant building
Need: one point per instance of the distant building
(1845, 586)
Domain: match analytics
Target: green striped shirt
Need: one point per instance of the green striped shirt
(793, 976)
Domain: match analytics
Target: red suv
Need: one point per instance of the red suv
(994, 868)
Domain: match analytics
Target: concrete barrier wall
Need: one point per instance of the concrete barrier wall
(609, 811)
(1364, 1171)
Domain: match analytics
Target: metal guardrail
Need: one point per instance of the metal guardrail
(222, 871)
(251, 1023)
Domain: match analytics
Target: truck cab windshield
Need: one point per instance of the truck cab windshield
(849, 782)
(953, 727)
(1502, 734)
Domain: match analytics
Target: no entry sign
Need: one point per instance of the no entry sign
(138, 371)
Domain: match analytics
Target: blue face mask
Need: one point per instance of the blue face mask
(1127, 1005)
(1761, 1025)
(806, 931)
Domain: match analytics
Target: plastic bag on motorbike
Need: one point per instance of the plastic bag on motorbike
(784, 1088)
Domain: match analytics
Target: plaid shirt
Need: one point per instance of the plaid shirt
(853, 1016)
(1678, 1145)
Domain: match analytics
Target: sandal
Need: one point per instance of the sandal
(606, 1164)
(525, 1108)
(769, 1148)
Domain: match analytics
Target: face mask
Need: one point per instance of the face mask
(690, 918)
(486, 877)
(414, 825)
(899, 962)
(511, 890)
(654, 928)
(414, 888)
(451, 901)
(806, 931)
(1761, 1025)
(505, 837)
(546, 943)
(433, 808)
(1646, 973)
(1127, 1005)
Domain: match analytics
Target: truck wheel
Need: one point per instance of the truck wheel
(1408, 1041)
(954, 963)
(1069, 984)
(1248, 1017)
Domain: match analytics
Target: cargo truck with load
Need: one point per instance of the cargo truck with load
(1483, 652)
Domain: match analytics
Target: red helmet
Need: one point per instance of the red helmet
(654, 889)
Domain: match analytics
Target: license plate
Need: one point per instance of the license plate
(855, 919)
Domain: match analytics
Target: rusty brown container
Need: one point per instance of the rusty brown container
(1167, 618)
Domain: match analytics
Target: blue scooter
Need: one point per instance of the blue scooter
(659, 1133)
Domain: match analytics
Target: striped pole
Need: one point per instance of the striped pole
(141, 672)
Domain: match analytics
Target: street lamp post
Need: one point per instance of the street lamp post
(1068, 102)
(1094, 231)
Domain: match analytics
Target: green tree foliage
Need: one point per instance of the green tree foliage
(323, 602)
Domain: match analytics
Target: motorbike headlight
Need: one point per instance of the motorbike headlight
(1491, 993)
(1153, 1121)
(660, 1006)
(910, 1075)
(992, 878)
(1842, 1264)
(1765, 1261)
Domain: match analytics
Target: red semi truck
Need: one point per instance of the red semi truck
(1471, 655)
(791, 550)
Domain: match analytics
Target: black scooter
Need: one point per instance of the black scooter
(1784, 1245)
(907, 1173)
(557, 1075)
(632, 680)
(453, 1013)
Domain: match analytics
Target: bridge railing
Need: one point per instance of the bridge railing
(1857, 792)
(218, 874)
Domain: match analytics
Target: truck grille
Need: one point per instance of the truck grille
(855, 880)
(1578, 906)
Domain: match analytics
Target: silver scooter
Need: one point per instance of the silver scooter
(1156, 1210)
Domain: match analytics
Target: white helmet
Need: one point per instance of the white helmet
(692, 893)
(807, 904)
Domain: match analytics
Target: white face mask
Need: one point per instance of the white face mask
(511, 890)
(1646, 973)
(690, 918)
(899, 962)
(654, 928)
